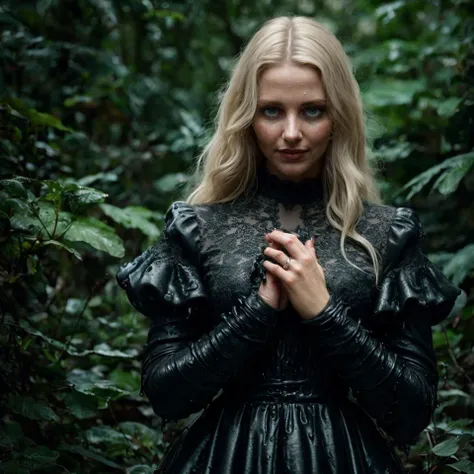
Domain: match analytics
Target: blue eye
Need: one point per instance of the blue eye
(314, 112)
(270, 112)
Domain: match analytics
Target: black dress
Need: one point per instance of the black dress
(331, 395)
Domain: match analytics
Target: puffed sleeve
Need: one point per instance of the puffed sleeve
(186, 361)
(387, 358)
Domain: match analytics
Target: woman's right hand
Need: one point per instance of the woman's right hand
(272, 291)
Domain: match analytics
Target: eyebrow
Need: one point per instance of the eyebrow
(277, 102)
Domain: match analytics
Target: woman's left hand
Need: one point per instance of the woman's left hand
(304, 278)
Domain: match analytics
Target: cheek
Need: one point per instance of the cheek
(266, 133)
(323, 130)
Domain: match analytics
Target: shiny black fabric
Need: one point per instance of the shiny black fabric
(329, 395)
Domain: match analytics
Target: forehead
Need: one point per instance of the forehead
(290, 81)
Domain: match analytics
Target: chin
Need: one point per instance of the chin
(293, 171)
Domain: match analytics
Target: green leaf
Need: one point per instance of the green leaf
(141, 434)
(107, 435)
(463, 466)
(101, 349)
(133, 217)
(139, 469)
(81, 196)
(62, 246)
(461, 265)
(126, 379)
(48, 221)
(390, 92)
(461, 162)
(26, 224)
(80, 405)
(108, 177)
(78, 99)
(39, 457)
(448, 181)
(446, 448)
(89, 383)
(88, 453)
(448, 107)
(164, 14)
(36, 118)
(14, 188)
(396, 151)
(97, 234)
(170, 182)
(30, 408)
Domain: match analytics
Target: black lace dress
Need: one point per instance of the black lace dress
(331, 395)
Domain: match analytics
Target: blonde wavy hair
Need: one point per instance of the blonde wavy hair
(227, 166)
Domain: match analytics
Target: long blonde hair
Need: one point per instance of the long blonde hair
(227, 166)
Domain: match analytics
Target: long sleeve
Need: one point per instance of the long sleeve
(390, 365)
(184, 369)
(186, 361)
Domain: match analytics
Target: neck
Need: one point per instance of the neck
(286, 191)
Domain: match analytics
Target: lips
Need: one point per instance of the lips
(292, 152)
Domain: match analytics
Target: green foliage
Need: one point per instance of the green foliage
(103, 107)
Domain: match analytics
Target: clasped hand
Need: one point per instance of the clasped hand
(303, 283)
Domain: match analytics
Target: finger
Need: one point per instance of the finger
(277, 271)
(310, 245)
(290, 242)
(277, 255)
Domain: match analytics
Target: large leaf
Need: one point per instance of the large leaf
(464, 465)
(461, 265)
(139, 469)
(448, 181)
(170, 182)
(446, 448)
(97, 234)
(389, 92)
(90, 383)
(31, 408)
(39, 457)
(141, 434)
(106, 435)
(56, 243)
(102, 349)
(133, 217)
(89, 453)
(80, 405)
(79, 197)
(36, 118)
(454, 168)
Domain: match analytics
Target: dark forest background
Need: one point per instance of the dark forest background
(103, 107)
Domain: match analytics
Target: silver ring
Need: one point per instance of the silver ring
(287, 263)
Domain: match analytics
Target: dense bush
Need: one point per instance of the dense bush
(103, 106)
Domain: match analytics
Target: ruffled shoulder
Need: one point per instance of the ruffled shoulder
(167, 271)
(409, 277)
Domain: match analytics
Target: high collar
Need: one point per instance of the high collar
(305, 191)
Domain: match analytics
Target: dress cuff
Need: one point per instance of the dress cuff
(325, 315)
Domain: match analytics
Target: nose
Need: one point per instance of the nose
(292, 130)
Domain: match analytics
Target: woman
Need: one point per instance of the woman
(314, 355)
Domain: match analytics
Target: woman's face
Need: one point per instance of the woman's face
(291, 122)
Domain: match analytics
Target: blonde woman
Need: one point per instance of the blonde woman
(287, 303)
